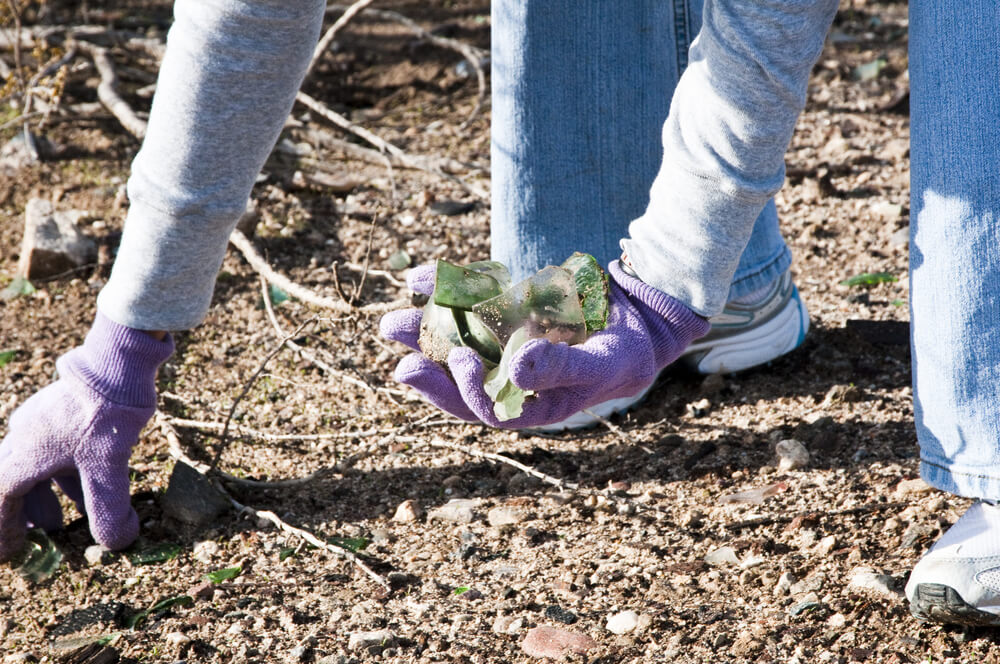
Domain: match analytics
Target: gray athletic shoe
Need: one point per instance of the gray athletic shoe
(742, 336)
(957, 581)
(745, 336)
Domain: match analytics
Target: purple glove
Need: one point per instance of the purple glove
(647, 330)
(79, 431)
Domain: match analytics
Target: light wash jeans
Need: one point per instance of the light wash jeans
(955, 242)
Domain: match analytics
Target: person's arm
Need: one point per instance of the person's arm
(227, 83)
(724, 141)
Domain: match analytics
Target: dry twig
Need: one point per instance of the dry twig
(178, 453)
(257, 262)
(107, 90)
(331, 34)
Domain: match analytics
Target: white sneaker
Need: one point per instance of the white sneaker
(742, 336)
(958, 579)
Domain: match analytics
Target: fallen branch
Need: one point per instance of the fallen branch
(394, 150)
(560, 484)
(331, 34)
(423, 163)
(473, 54)
(177, 452)
(788, 518)
(239, 430)
(107, 90)
(257, 262)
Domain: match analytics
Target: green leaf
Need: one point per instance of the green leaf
(870, 279)
(225, 574)
(352, 544)
(460, 590)
(898, 303)
(287, 553)
(16, 288)
(277, 295)
(6, 356)
(153, 555)
(459, 287)
(160, 607)
(592, 287)
(108, 639)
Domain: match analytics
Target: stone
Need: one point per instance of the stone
(792, 455)
(191, 498)
(504, 516)
(559, 614)
(298, 653)
(408, 511)
(724, 555)
(97, 554)
(914, 487)
(784, 584)
(867, 581)
(177, 640)
(205, 551)
(52, 243)
(555, 643)
(622, 623)
(826, 545)
(382, 638)
(886, 211)
(458, 510)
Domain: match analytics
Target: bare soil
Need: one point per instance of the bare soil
(634, 538)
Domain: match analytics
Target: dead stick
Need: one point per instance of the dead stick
(331, 34)
(216, 427)
(174, 443)
(257, 262)
(107, 90)
(777, 519)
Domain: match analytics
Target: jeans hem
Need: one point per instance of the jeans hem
(749, 281)
(968, 483)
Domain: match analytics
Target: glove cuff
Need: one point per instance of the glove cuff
(118, 362)
(679, 326)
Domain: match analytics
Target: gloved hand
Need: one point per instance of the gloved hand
(647, 330)
(79, 431)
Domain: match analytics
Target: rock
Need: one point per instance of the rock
(501, 624)
(555, 643)
(784, 584)
(204, 551)
(808, 603)
(841, 394)
(559, 614)
(408, 512)
(699, 408)
(886, 211)
(826, 545)
(451, 208)
(723, 556)
(867, 581)
(622, 623)
(382, 638)
(298, 653)
(204, 590)
(837, 620)
(20, 658)
(457, 510)
(177, 640)
(914, 487)
(191, 498)
(900, 238)
(52, 243)
(504, 516)
(792, 455)
(97, 554)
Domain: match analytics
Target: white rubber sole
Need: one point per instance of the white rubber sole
(759, 345)
(584, 420)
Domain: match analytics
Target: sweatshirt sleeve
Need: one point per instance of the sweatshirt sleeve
(724, 141)
(227, 82)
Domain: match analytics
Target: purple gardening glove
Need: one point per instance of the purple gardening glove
(647, 330)
(79, 431)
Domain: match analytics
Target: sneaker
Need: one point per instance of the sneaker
(748, 335)
(742, 336)
(958, 580)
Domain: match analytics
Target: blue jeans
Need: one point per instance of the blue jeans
(955, 243)
(580, 95)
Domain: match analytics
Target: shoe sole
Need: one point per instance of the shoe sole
(938, 603)
(582, 420)
(783, 333)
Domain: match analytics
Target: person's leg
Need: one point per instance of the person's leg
(955, 296)
(580, 95)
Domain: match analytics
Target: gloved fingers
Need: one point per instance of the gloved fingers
(402, 326)
(467, 368)
(42, 508)
(20, 471)
(541, 365)
(105, 484)
(424, 375)
(421, 279)
(70, 485)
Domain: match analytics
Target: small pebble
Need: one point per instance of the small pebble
(724, 555)
(792, 455)
(559, 614)
(622, 623)
(504, 516)
(699, 408)
(407, 512)
(365, 640)
(205, 551)
(97, 555)
(826, 545)
(455, 511)
(867, 581)
(914, 487)
(555, 643)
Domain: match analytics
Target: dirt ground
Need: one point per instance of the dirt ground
(814, 573)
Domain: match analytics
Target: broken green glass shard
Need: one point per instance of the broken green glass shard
(39, 559)
(495, 269)
(438, 332)
(508, 398)
(459, 287)
(592, 287)
(546, 304)
(477, 336)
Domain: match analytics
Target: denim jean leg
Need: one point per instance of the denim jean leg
(955, 243)
(580, 95)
